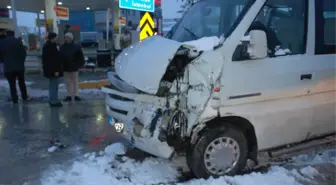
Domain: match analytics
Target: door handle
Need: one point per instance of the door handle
(306, 76)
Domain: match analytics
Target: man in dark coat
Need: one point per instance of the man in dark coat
(52, 68)
(13, 54)
(3, 34)
(73, 59)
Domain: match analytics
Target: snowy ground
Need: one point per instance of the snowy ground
(42, 94)
(105, 169)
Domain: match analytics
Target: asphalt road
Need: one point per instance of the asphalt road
(26, 130)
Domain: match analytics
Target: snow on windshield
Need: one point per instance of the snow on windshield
(205, 43)
(104, 169)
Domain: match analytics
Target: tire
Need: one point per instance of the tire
(196, 153)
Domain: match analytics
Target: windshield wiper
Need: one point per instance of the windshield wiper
(191, 33)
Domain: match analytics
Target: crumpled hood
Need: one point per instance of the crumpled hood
(143, 64)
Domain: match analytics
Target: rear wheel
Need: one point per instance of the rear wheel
(219, 151)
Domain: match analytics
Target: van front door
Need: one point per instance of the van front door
(273, 93)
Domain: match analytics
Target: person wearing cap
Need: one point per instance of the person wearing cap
(52, 68)
(13, 54)
(73, 59)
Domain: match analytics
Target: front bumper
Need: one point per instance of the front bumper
(136, 112)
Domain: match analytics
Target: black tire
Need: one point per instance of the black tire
(195, 153)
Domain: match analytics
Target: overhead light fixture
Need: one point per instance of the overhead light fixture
(88, 8)
(9, 7)
(42, 11)
(59, 3)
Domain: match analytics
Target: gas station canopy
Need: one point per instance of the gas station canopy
(38, 5)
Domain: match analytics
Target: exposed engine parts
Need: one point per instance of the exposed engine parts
(176, 69)
(174, 129)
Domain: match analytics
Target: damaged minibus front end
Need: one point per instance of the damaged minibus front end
(159, 91)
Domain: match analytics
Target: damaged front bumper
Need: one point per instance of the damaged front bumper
(136, 116)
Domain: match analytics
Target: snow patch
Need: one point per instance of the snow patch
(107, 170)
(281, 52)
(246, 38)
(309, 171)
(276, 176)
(327, 156)
(90, 65)
(43, 94)
(205, 43)
(115, 149)
(4, 83)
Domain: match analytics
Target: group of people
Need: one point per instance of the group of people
(56, 61)
(65, 61)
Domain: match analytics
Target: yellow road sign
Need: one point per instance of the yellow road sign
(146, 25)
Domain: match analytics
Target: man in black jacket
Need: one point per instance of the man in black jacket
(3, 34)
(13, 54)
(52, 68)
(73, 59)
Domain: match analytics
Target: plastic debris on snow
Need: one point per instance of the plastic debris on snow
(205, 43)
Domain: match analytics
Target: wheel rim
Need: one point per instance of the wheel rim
(221, 156)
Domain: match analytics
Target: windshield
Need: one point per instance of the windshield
(210, 18)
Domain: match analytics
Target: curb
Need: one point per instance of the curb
(93, 85)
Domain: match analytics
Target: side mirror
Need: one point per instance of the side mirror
(257, 48)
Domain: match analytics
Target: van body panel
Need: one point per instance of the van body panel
(323, 95)
(287, 99)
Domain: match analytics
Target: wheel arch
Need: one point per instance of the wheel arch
(238, 122)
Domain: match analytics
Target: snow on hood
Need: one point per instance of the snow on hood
(143, 64)
(205, 43)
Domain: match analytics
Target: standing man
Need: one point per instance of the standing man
(73, 59)
(13, 54)
(52, 68)
(3, 35)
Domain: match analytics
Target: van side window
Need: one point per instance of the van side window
(285, 24)
(325, 17)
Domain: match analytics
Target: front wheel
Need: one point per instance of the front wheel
(219, 151)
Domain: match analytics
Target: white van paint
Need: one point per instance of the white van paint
(287, 99)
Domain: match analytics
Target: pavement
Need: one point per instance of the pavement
(90, 84)
(27, 128)
(84, 76)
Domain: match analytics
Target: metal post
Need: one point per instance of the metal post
(39, 28)
(112, 18)
(39, 40)
(14, 19)
(108, 12)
